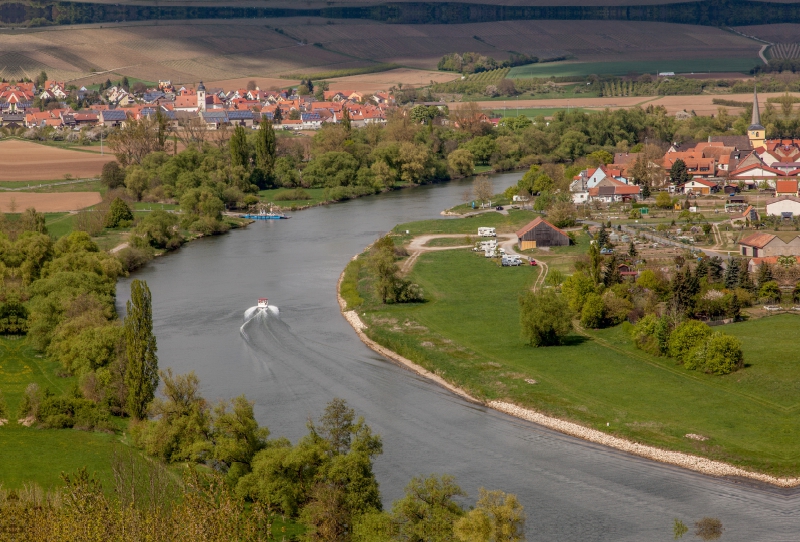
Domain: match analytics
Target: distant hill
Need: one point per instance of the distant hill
(709, 13)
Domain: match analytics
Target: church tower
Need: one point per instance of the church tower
(201, 97)
(756, 131)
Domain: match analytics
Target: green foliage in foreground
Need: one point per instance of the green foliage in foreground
(32, 455)
(600, 377)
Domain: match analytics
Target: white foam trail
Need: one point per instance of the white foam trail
(273, 309)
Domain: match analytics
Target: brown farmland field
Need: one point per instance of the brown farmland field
(244, 49)
(372, 82)
(48, 203)
(26, 161)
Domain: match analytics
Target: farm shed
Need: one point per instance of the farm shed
(540, 233)
(784, 206)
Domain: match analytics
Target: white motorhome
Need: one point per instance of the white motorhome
(511, 260)
(485, 245)
(486, 232)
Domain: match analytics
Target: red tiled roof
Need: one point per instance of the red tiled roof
(757, 240)
(786, 187)
(535, 222)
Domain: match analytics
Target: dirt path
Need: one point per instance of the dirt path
(119, 247)
(542, 276)
(417, 247)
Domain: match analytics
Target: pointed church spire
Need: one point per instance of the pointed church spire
(755, 122)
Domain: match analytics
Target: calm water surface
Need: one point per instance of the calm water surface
(293, 365)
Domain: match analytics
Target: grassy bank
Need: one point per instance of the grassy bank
(40, 455)
(468, 332)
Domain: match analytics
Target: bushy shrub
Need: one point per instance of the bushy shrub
(134, 257)
(66, 412)
(593, 312)
(719, 354)
(120, 215)
(685, 337)
(545, 318)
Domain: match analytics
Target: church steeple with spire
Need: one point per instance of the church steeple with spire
(756, 131)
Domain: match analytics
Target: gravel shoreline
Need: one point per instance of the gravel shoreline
(679, 459)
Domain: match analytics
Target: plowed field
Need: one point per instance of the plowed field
(25, 161)
(48, 203)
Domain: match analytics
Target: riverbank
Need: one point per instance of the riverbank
(442, 374)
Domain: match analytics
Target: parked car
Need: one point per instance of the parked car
(498, 208)
(533, 262)
(606, 251)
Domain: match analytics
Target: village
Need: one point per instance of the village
(44, 104)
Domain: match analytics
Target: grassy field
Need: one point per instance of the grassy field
(317, 196)
(688, 65)
(600, 377)
(40, 455)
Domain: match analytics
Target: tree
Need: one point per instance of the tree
(346, 119)
(714, 269)
(41, 79)
(611, 274)
(685, 337)
(277, 116)
(645, 191)
(544, 318)
(236, 436)
(428, 511)
(384, 269)
(602, 236)
(461, 162)
(497, 517)
(595, 262)
(632, 250)
(141, 374)
(732, 274)
(592, 313)
(265, 147)
(600, 158)
(240, 150)
(718, 354)
(764, 274)
(745, 281)
(32, 221)
(770, 291)
(251, 85)
(663, 201)
(678, 172)
(112, 175)
(135, 140)
(576, 288)
(118, 213)
(482, 189)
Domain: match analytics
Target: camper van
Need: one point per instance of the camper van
(494, 252)
(511, 260)
(483, 246)
(486, 232)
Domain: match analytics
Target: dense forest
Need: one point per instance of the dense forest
(714, 13)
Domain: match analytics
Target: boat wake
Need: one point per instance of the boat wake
(258, 312)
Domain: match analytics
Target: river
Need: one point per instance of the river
(293, 365)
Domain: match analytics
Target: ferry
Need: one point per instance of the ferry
(263, 215)
(263, 303)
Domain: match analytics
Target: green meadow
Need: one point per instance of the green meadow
(468, 331)
(624, 67)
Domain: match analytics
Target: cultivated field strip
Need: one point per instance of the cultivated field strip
(785, 50)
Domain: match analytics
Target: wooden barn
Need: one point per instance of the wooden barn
(540, 233)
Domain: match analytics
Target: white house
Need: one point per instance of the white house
(784, 204)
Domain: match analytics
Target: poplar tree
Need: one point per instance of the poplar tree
(265, 147)
(141, 372)
(346, 119)
(240, 154)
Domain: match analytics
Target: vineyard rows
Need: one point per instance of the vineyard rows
(785, 50)
(489, 77)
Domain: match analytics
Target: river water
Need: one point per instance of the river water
(294, 364)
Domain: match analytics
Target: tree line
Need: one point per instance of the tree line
(718, 13)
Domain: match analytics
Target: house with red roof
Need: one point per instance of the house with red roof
(786, 187)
